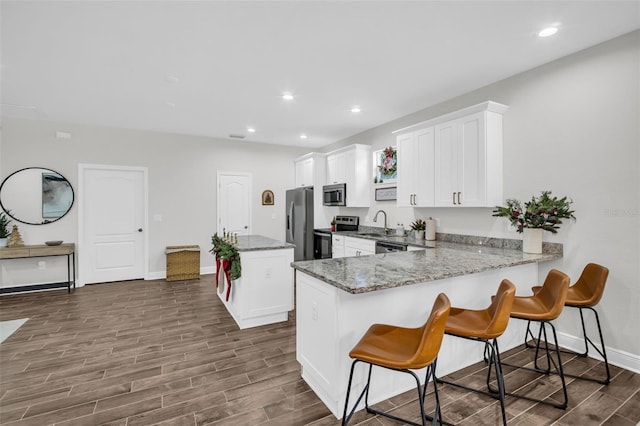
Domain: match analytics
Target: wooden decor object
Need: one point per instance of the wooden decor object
(15, 239)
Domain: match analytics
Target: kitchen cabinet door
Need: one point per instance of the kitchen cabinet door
(416, 161)
(337, 246)
(304, 172)
(336, 168)
(358, 247)
(468, 161)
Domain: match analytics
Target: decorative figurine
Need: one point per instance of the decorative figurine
(15, 239)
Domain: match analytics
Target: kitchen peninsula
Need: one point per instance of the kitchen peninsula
(338, 299)
(264, 292)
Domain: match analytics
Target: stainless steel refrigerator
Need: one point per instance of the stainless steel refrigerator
(300, 222)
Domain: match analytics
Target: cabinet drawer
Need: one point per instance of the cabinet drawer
(360, 244)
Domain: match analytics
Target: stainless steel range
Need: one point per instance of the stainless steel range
(322, 236)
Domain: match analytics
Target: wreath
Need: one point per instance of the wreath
(388, 162)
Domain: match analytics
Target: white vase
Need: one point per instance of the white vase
(419, 235)
(532, 240)
(3, 242)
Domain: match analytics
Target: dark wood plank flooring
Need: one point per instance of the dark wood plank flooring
(152, 352)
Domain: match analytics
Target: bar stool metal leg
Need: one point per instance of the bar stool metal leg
(542, 337)
(494, 363)
(587, 342)
(422, 390)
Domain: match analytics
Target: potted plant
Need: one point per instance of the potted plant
(543, 213)
(4, 229)
(419, 226)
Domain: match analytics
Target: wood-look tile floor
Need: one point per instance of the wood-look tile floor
(152, 352)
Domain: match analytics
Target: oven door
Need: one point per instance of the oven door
(321, 245)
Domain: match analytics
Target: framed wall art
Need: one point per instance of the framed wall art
(267, 197)
(386, 194)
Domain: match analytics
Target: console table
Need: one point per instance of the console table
(68, 249)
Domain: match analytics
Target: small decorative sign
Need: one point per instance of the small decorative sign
(386, 194)
(267, 197)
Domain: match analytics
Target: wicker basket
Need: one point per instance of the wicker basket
(183, 262)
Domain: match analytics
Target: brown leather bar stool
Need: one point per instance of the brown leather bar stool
(402, 349)
(585, 294)
(543, 307)
(485, 326)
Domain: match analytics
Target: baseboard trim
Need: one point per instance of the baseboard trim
(623, 359)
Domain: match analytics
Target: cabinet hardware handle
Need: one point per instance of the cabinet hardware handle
(459, 198)
(454, 198)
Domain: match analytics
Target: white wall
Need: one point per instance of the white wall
(182, 184)
(573, 127)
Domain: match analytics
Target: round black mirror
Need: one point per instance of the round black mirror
(36, 196)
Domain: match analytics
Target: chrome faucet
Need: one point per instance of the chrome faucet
(375, 219)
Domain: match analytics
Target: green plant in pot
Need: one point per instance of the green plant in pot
(543, 213)
(419, 226)
(4, 229)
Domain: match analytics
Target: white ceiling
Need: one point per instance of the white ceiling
(214, 68)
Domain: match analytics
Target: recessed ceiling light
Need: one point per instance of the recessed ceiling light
(251, 130)
(355, 109)
(303, 136)
(172, 79)
(287, 96)
(171, 104)
(548, 32)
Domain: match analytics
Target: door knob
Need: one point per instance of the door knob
(245, 227)
(139, 229)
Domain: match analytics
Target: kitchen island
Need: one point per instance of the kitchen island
(338, 299)
(264, 292)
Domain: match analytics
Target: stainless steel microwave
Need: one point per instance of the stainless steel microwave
(334, 195)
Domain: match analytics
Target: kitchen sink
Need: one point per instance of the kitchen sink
(370, 234)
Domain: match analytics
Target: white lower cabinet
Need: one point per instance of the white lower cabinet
(337, 246)
(342, 246)
(264, 293)
(358, 247)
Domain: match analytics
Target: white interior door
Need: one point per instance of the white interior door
(113, 205)
(234, 203)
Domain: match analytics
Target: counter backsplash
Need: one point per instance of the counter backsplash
(547, 248)
(508, 243)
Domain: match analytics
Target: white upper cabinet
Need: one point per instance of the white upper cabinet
(415, 161)
(336, 170)
(352, 165)
(309, 169)
(304, 172)
(466, 159)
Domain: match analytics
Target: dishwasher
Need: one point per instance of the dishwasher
(386, 247)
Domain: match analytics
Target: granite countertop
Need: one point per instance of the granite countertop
(258, 242)
(446, 260)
